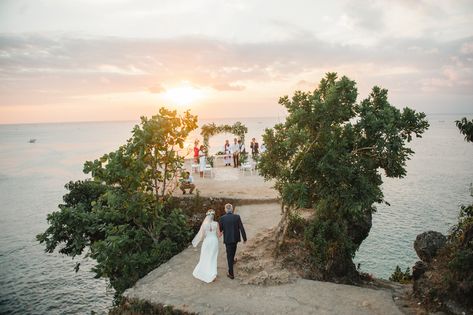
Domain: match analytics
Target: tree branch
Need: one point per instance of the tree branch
(147, 231)
(355, 151)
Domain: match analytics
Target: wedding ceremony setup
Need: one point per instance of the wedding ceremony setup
(236, 157)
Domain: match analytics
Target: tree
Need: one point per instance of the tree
(466, 128)
(122, 215)
(327, 156)
(150, 159)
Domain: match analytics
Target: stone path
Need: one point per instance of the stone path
(173, 284)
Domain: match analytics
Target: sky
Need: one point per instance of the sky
(103, 60)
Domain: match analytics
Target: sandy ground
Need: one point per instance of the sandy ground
(231, 182)
(173, 284)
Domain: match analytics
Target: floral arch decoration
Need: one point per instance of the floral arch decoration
(209, 130)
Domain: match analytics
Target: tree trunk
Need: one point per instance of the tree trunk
(341, 267)
(281, 229)
(164, 179)
(155, 179)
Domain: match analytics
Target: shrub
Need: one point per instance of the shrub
(297, 225)
(401, 277)
(460, 255)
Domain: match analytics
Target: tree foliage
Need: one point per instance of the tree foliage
(149, 160)
(122, 215)
(466, 128)
(327, 156)
(461, 243)
(209, 130)
(401, 277)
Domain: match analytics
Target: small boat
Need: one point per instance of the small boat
(32, 141)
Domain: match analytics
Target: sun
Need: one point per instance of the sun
(183, 95)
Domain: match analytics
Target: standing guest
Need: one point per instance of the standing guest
(202, 160)
(227, 158)
(235, 149)
(263, 148)
(196, 151)
(242, 149)
(187, 182)
(254, 148)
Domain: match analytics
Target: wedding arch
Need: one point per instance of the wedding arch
(209, 130)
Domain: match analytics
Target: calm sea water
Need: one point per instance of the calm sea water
(428, 198)
(32, 176)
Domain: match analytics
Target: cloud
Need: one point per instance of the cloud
(157, 88)
(44, 69)
(369, 16)
(228, 87)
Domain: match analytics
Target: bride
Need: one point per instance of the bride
(206, 269)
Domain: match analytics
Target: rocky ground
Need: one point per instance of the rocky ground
(262, 285)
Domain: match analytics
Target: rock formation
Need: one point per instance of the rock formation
(430, 275)
(428, 243)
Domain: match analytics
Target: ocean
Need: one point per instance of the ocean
(32, 178)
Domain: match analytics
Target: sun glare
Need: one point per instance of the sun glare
(183, 95)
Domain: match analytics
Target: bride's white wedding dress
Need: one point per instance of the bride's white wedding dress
(206, 269)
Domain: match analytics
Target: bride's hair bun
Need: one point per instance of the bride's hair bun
(210, 212)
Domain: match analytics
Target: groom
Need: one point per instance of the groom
(231, 226)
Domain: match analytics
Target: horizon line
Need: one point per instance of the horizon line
(121, 120)
(216, 118)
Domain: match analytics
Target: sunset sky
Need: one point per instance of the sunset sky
(97, 60)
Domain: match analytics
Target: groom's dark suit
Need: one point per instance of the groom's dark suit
(231, 226)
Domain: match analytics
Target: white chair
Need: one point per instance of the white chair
(208, 169)
(247, 166)
(195, 168)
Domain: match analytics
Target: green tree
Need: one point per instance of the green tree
(122, 215)
(327, 156)
(466, 128)
(149, 160)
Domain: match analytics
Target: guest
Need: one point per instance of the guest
(235, 150)
(187, 182)
(241, 145)
(263, 148)
(228, 156)
(254, 149)
(196, 151)
(202, 160)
